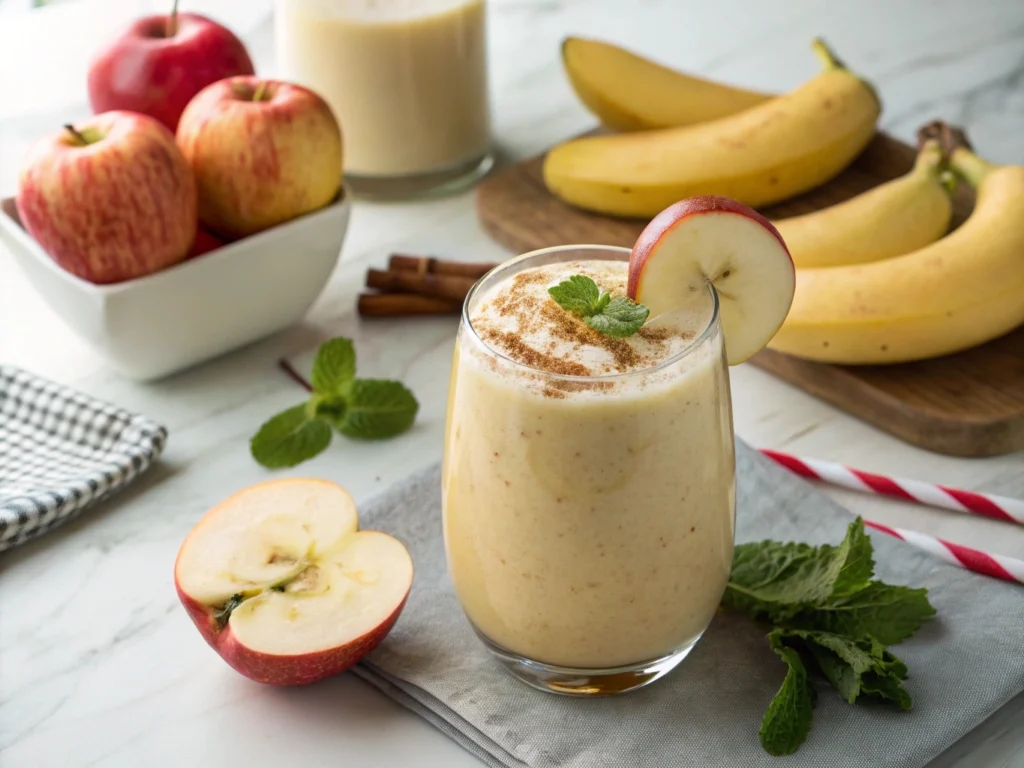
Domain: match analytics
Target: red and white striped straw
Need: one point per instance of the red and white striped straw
(930, 494)
(986, 505)
(996, 566)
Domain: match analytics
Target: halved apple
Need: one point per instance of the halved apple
(718, 240)
(281, 583)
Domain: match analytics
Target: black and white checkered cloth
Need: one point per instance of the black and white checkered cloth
(61, 451)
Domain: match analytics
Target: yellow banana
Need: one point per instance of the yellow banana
(894, 218)
(759, 156)
(963, 290)
(630, 93)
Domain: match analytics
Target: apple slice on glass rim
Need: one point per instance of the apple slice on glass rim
(281, 583)
(716, 240)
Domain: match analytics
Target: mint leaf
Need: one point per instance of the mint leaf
(842, 660)
(377, 408)
(361, 408)
(579, 295)
(617, 317)
(289, 438)
(888, 663)
(886, 612)
(858, 562)
(334, 367)
(329, 407)
(620, 317)
(831, 617)
(788, 719)
(887, 688)
(855, 668)
(775, 581)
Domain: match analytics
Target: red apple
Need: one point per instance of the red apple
(109, 199)
(281, 583)
(160, 62)
(263, 152)
(204, 243)
(721, 241)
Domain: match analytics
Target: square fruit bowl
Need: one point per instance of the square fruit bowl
(200, 308)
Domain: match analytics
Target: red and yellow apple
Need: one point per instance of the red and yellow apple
(109, 199)
(281, 583)
(204, 243)
(716, 240)
(160, 62)
(263, 152)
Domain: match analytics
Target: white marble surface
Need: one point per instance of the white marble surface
(100, 667)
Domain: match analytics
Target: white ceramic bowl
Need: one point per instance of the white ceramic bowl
(155, 325)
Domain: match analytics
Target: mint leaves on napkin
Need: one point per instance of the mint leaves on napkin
(366, 409)
(830, 618)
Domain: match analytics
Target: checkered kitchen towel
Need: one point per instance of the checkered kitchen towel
(61, 451)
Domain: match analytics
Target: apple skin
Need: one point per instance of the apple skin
(118, 208)
(275, 669)
(204, 243)
(145, 71)
(674, 215)
(260, 163)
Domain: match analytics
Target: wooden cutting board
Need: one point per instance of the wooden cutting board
(968, 404)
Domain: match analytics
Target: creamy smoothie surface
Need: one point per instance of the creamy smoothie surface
(588, 480)
(519, 320)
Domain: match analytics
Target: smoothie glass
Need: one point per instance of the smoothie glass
(588, 520)
(407, 79)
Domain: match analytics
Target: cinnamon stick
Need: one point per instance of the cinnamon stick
(404, 305)
(427, 284)
(401, 262)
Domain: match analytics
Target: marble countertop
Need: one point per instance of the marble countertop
(99, 666)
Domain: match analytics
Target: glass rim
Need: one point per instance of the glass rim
(492, 275)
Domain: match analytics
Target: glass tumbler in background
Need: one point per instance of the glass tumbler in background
(407, 80)
(588, 520)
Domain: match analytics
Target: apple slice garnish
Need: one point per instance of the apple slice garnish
(282, 584)
(716, 240)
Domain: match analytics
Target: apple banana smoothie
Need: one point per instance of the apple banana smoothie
(407, 80)
(588, 480)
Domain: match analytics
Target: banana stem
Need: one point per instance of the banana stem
(957, 149)
(969, 166)
(832, 62)
(826, 54)
(929, 158)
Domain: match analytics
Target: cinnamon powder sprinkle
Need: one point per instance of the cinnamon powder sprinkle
(522, 352)
(578, 386)
(514, 301)
(568, 327)
(533, 311)
(654, 335)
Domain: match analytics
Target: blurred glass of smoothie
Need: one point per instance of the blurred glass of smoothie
(407, 79)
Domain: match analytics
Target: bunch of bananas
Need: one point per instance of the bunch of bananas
(879, 280)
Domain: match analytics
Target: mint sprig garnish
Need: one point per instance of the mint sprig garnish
(364, 409)
(334, 367)
(831, 617)
(619, 316)
(289, 438)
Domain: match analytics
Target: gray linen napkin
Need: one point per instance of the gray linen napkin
(964, 664)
